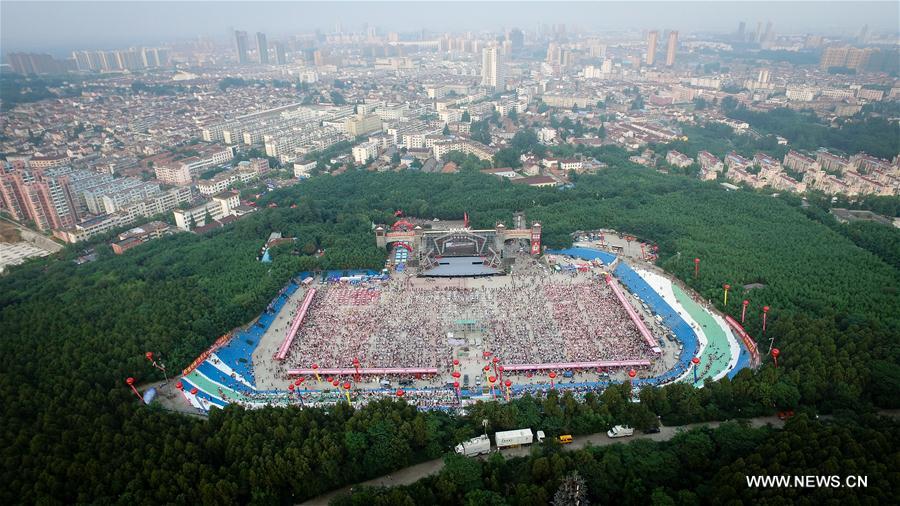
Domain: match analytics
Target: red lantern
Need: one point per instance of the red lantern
(400, 392)
(299, 381)
(194, 391)
(455, 374)
(455, 361)
(492, 379)
(291, 387)
(456, 385)
(149, 355)
(130, 381)
(315, 366)
(496, 359)
(179, 386)
(347, 385)
(775, 353)
(632, 373)
(487, 368)
(508, 383)
(695, 360)
(329, 379)
(335, 383)
(765, 313)
(696, 267)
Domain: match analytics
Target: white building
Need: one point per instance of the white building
(218, 207)
(493, 73)
(362, 153)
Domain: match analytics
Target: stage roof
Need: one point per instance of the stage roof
(451, 267)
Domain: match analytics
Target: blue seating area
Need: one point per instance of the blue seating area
(215, 374)
(238, 353)
(586, 254)
(680, 328)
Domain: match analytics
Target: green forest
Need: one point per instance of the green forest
(72, 432)
(875, 136)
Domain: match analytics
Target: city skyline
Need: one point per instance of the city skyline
(106, 25)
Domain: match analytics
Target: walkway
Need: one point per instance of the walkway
(719, 355)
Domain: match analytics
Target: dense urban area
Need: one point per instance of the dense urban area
(338, 266)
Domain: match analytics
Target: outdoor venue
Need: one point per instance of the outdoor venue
(503, 318)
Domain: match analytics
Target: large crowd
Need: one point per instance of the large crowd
(532, 319)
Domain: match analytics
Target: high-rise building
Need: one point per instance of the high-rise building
(554, 53)
(671, 47)
(262, 47)
(849, 57)
(517, 37)
(651, 46)
(280, 53)
(31, 63)
(763, 77)
(42, 196)
(863, 34)
(492, 72)
(742, 31)
(241, 46)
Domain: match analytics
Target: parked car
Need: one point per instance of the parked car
(620, 431)
(784, 415)
(652, 430)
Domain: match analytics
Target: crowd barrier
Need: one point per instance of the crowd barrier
(363, 371)
(295, 325)
(642, 328)
(577, 365)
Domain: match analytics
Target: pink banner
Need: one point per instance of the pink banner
(651, 341)
(577, 365)
(364, 371)
(295, 325)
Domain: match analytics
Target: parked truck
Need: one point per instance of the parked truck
(516, 437)
(505, 439)
(475, 446)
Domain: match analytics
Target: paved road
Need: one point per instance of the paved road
(414, 473)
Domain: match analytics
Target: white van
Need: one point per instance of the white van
(620, 431)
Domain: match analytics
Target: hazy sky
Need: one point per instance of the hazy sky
(61, 26)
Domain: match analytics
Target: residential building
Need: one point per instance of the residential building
(262, 48)
(679, 160)
(363, 153)
(799, 163)
(241, 47)
(493, 73)
(363, 124)
(219, 206)
(651, 47)
(671, 47)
